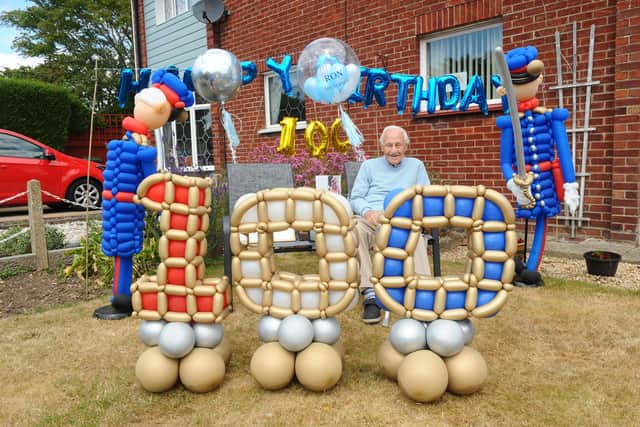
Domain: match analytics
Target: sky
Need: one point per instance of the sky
(8, 57)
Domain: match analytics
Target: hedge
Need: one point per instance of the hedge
(40, 110)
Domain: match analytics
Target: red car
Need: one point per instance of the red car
(23, 158)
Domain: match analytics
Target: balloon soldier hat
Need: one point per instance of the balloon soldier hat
(173, 88)
(524, 65)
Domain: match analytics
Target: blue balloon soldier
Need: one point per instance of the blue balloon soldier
(129, 161)
(549, 179)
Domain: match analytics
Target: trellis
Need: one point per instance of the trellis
(574, 130)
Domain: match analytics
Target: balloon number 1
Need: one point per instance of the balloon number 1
(315, 128)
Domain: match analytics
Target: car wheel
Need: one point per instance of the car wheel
(83, 194)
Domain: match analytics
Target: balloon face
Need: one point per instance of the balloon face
(217, 75)
(328, 71)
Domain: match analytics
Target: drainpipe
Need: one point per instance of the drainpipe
(134, 29)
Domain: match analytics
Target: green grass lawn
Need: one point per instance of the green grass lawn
(562, 355)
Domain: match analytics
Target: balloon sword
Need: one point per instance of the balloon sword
(522, 178)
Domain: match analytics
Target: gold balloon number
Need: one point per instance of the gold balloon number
(316, 150)
(334, 135)
(288, 136)
(315, 129)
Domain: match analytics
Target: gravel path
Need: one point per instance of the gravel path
(627, 275)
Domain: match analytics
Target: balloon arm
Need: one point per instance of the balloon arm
(350, 129)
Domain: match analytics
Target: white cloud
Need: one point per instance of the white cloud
(13, 60)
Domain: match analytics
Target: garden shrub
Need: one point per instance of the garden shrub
(21, 244)
(42, 111)
(89, 256)
(305, 167)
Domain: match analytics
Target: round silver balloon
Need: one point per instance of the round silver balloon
(216, 75)
(468, 331)
(208, 335)
(326, 330)
(295, 332)
(150, 330)
(176, 340)
(444, 337)
(268, 328)
(407, 336)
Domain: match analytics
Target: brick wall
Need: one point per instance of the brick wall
(462, 148)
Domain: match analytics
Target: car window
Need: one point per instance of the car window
(11, 146)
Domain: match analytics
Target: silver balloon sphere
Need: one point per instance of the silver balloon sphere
(208, 335)
(468, 331)
(268, 328)
(176, 340)
(445, 337)
(326, 330)
(295, 333)
(150, 330)
(407, 336)
(216, 75)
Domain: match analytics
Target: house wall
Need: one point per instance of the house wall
(460, 148)
(177, 41)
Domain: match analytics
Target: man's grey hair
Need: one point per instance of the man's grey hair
(405, 136)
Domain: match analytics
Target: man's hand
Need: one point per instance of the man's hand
(571, 196)
(371, 217)
(521, 198)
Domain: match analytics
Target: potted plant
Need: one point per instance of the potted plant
(602, 263)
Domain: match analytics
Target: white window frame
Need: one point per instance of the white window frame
(424, 43)
(272, 128)
(174, 8)
(195, 167)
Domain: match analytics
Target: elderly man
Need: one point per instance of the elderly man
(375, 179)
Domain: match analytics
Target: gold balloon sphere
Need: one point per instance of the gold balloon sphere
(318, 367)
(339, 347)
(272, 366)
(202, 370)
(224, 349)
(467, 371)
(389, 359)
(422, 376)
(155, 371)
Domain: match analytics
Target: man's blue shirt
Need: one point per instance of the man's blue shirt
(377, 177)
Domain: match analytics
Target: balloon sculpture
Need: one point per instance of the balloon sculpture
(428, 350)
(530, 137)
(128, 162)
(298, 328)
(217, 76)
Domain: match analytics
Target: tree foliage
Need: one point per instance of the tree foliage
(68, 34)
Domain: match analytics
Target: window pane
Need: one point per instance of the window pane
(281, 105)
(203, 138)
(464, 54)
(183, 6)
(10, 146)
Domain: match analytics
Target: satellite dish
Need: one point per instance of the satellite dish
(208, 11)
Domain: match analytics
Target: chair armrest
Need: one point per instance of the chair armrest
(435, 235)
(226, 231)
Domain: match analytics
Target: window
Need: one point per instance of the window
(167, 9)
(278, 105)
(463, 52)
(188, 146)
(10, 146)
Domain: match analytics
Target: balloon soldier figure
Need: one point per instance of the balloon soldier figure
(549, 180)
(129, 161)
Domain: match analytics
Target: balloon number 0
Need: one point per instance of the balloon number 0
(314, 129)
